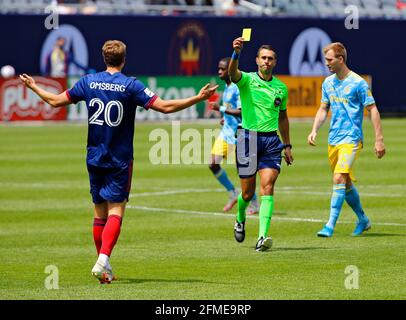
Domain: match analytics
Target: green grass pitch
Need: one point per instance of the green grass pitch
(175, 242)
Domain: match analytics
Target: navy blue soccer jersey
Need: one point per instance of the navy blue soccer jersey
(111, 101)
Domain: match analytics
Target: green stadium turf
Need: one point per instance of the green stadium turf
(175, 242)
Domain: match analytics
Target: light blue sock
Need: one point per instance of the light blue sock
(223, 179)
(353, 200)
(337, 200)
(254, 197)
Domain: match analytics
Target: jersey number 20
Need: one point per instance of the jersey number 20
(107, 109)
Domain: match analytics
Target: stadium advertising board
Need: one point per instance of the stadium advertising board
(192, 46)
(19, 103)
(304, 97)
(305, 94)
(178, 88)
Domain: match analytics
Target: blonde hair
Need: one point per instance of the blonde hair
(114, 53)
(338, 49)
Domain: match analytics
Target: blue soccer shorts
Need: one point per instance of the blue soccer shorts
(110, 184)
(256, 151)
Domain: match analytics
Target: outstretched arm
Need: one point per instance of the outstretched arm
(376, 121)
(321, 116)
(55, 100)
(284, 130)
(235, 73)
(169, 106)
(234, 112)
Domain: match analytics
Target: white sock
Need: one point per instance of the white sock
(103, 259)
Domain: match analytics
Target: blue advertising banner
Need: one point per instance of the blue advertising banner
(191, 46)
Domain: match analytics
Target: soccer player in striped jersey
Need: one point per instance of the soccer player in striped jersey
(111, 99)
(346, 94)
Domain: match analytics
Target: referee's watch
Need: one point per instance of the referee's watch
(287, 146)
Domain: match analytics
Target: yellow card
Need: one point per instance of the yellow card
(246, 34)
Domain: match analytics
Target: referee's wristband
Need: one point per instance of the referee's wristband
(235, 56)
(287, 146)
(223, 109)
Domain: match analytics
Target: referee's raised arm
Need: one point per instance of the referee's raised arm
(235, 73)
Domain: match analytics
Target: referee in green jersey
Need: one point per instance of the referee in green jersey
(263, 106)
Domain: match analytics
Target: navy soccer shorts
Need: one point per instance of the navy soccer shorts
(256, 151)
(110, 184)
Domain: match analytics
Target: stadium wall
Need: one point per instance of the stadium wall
(192, 46)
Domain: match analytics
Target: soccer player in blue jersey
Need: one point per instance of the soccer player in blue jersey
(225, 142)
(111, 99)
(346, 94)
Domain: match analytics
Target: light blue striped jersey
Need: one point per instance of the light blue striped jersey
(346, 98)
(231, 99)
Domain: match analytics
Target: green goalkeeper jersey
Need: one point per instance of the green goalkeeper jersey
(261, 102)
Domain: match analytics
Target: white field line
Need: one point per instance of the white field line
(65, 184)
(225, 215)
(363, 194)
(301, 190)
(40, 185)
(163, 192)
(178, 191)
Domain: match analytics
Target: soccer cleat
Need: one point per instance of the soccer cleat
(103, 274)
(99, 272)
(231, 201)
(361, 227)
(110, 274)
(239, 231)
(263, 244)
(253, 208)
(326, 232)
